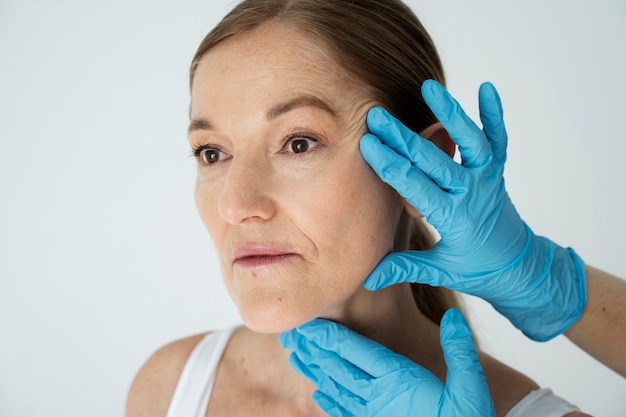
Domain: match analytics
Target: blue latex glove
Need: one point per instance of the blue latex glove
(485, 249)
(356, 376)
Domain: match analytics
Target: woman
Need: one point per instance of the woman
(280, 94)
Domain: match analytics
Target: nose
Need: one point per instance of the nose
(246, 195)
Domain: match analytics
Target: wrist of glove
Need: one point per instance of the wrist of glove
(550, 293)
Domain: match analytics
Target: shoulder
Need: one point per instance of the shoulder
(154, 384)
(506, 385)
(509, 387)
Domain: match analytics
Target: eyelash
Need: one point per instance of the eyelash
(196, 151)
(296, 136)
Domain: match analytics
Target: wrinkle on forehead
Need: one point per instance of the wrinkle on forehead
(295, 65)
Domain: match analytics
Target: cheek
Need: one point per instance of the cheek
(351, 216)
(374, 212)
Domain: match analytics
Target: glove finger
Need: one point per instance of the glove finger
(473, 146)
(320, 378)
(339, 370)
(492, 118)
(400, 372)
(327, 385)
(310, 372)
(422, 153)
(369, 357)
(466, 386)
(411, 266)
(412, 184)
(330, 406)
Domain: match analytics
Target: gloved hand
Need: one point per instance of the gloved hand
(485, 249)
(356, 376)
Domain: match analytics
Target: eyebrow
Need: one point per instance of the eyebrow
(274, 111)
(199, 124)
(300, 101)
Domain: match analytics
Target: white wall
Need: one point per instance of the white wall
(102, 256)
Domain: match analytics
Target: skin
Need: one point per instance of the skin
(262, 194)
(259, 194)
(601, 329)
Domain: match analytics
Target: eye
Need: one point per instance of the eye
(299, 143)
(209, 155)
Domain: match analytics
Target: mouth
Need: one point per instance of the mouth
(255, 256)
(262, 261)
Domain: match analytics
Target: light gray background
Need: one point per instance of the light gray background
(103, 258)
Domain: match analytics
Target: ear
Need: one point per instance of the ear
(438, 135)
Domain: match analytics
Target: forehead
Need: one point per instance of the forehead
(271, 62)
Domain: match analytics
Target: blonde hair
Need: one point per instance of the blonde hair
(383, 48)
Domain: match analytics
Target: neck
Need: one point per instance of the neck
(389, 317)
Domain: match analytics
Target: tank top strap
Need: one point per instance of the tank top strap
(542, 402)
(194, 387)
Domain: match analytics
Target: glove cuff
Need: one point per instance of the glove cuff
(566, 292)
(556, 294)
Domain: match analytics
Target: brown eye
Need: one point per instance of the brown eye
(299, 145)
(209, 155)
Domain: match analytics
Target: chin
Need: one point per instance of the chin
(273, 318)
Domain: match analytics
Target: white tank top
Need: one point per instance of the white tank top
(193, 391)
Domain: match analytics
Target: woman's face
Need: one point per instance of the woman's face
(297, 216)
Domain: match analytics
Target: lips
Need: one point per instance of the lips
(256, 255)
